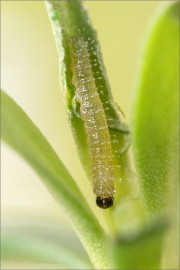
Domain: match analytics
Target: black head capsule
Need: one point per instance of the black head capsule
(104, 203)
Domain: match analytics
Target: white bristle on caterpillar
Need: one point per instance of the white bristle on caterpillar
(95, 122)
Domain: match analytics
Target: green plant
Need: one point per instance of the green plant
(143, 222)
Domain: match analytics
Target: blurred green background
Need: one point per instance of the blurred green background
(29, 74)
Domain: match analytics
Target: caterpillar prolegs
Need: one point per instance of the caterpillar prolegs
(92, 112)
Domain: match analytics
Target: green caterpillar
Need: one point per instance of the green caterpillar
(92, 112)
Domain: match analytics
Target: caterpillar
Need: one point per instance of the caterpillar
(92, 112)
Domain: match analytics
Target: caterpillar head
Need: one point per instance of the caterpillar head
(104, 203)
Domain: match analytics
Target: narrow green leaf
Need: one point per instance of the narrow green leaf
(140, 250)
(70, 19)
(22, 135)
(155, 127)
(156, 114)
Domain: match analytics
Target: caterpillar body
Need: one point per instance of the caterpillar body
(92, 112)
